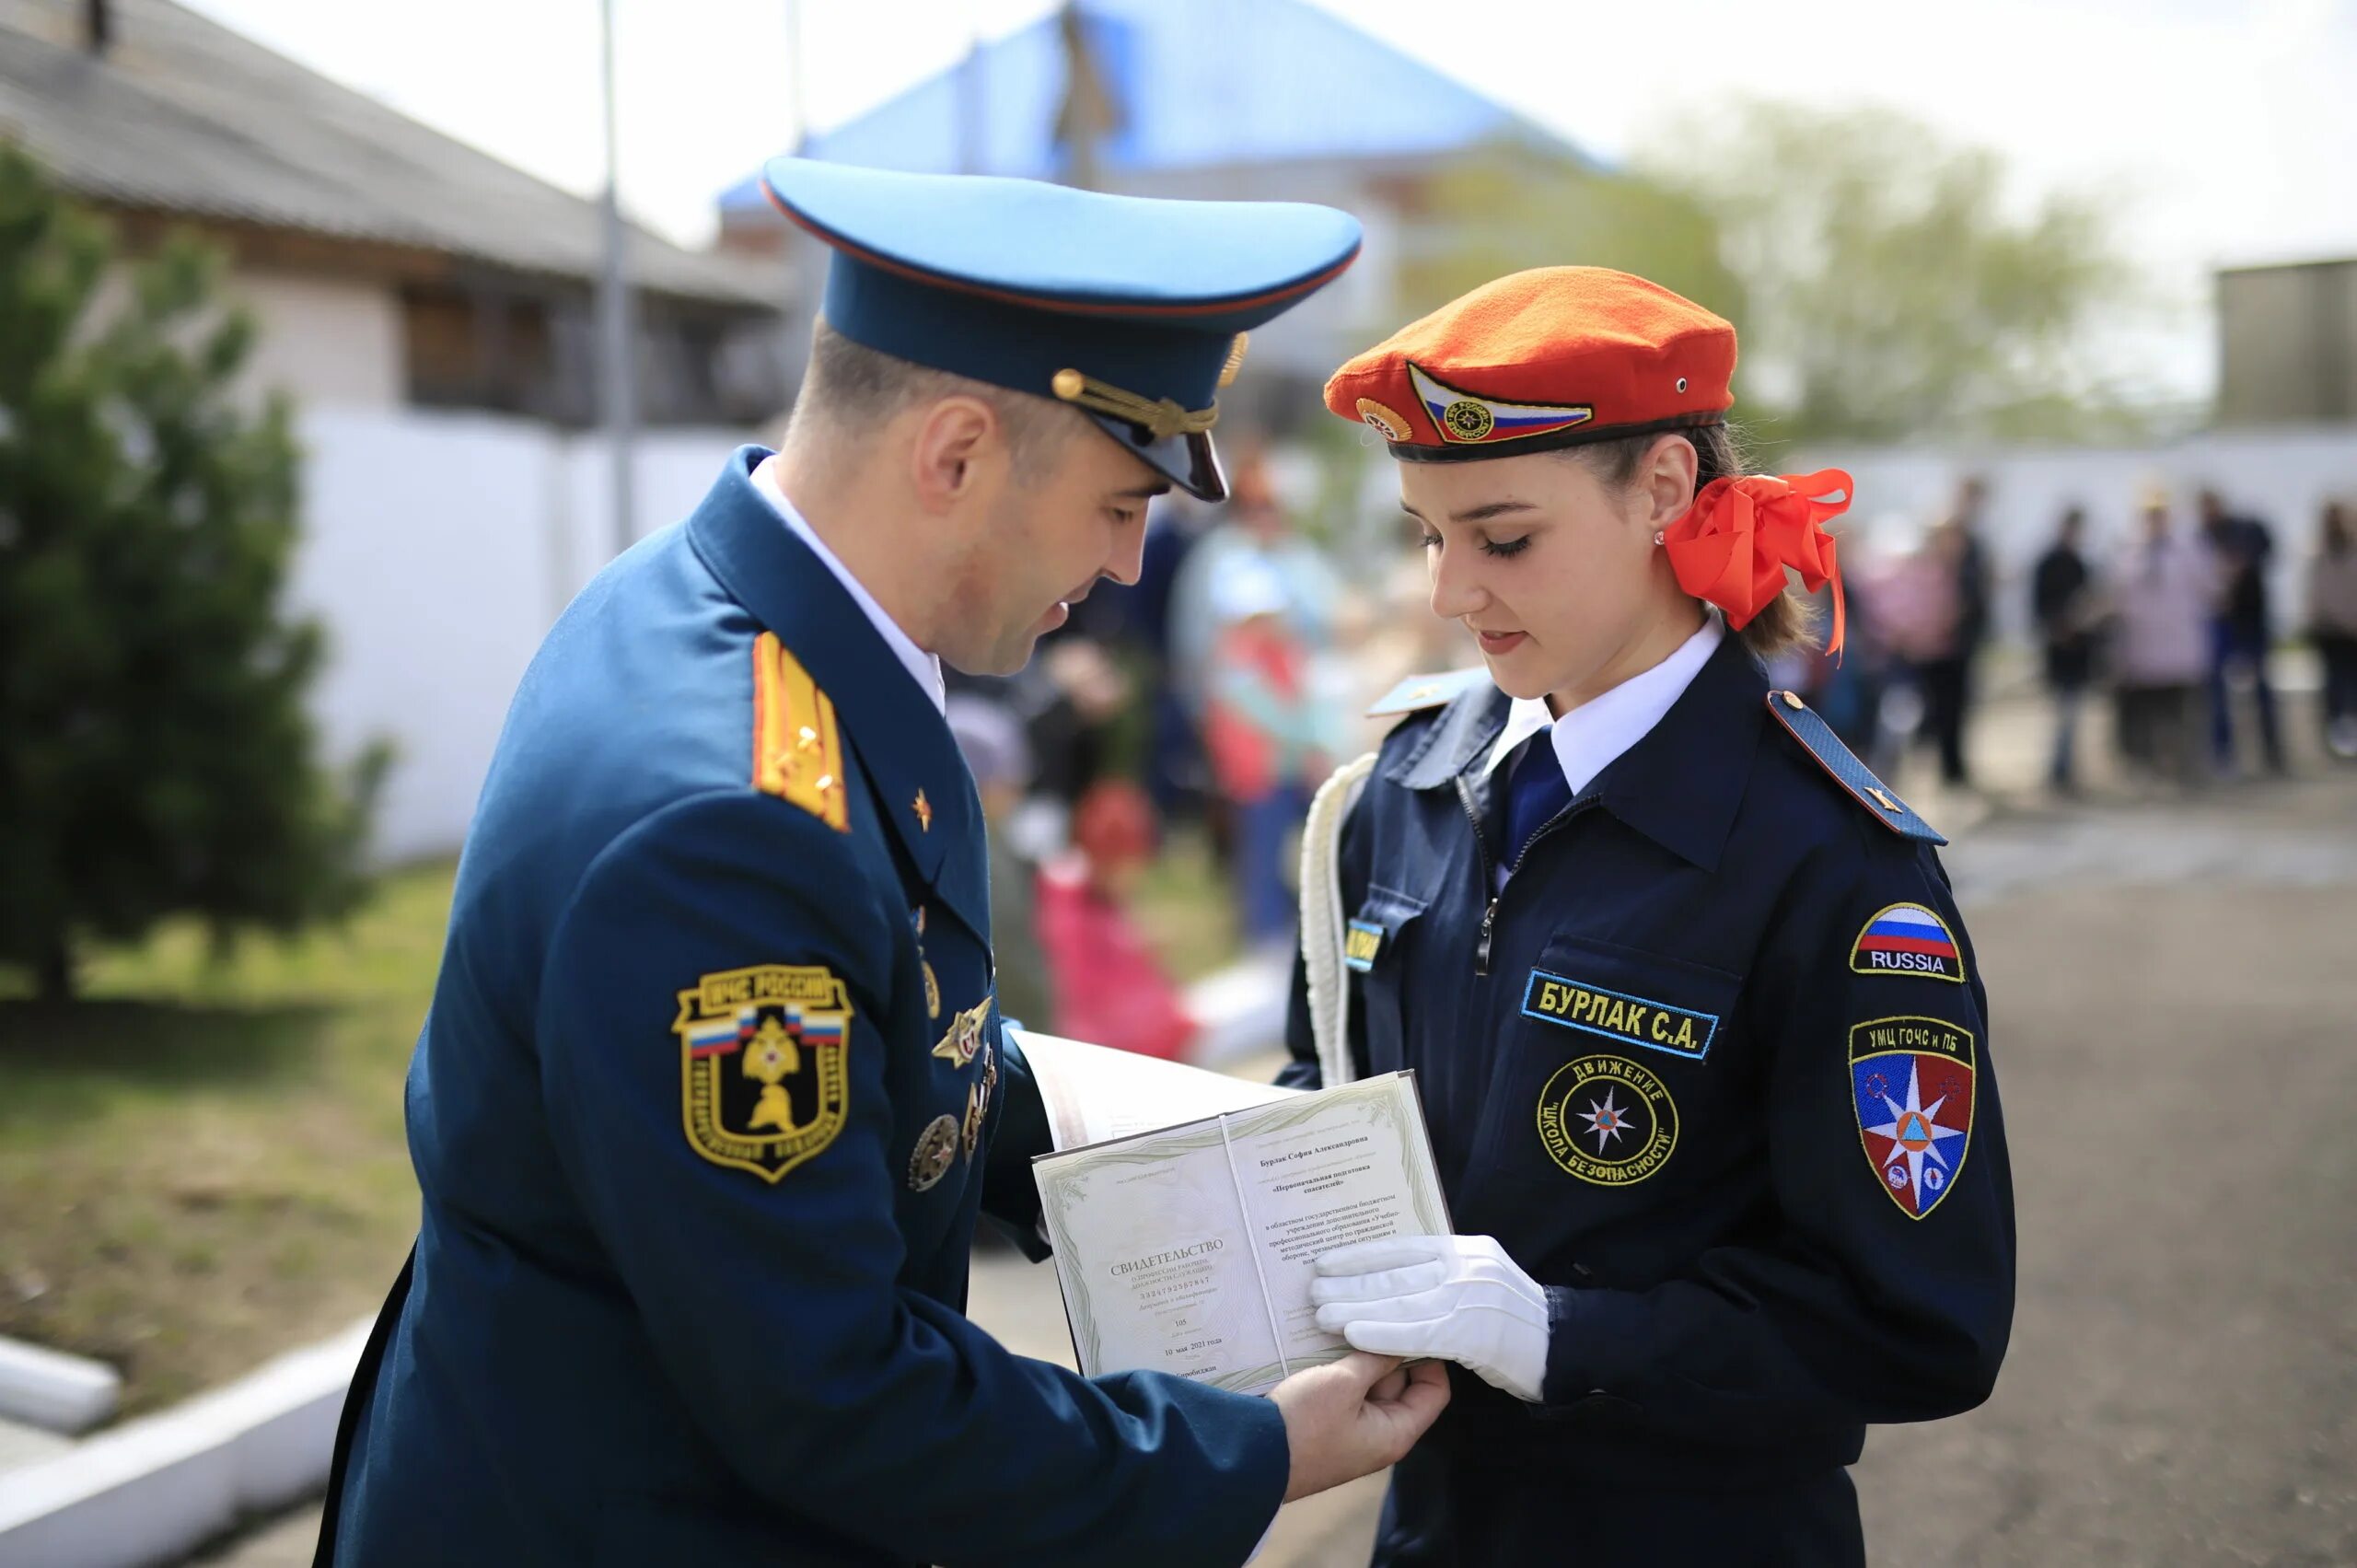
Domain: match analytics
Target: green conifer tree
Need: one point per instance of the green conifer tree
(156, 757)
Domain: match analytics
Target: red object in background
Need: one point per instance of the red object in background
(1113, 826)
(1109, 988)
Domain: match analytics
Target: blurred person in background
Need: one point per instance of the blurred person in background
(1174, 775)
(1253, 525)
(1915, 610)
(1068, 702)
(2332, 624)
(1647, 935)
(1946, 676)
(991, 739)
(1111, 988)
(1269, 737)
(2241, 632)
(2063, 609)
(2161, 600)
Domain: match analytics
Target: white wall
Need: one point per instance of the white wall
(2282, 477)
(438, 550)
(330, 343)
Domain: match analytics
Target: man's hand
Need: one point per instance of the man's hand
(1458, 1297)
(1339, 1426)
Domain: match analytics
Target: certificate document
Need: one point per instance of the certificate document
(1189, 1249)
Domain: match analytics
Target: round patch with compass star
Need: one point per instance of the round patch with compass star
(1608, 1120)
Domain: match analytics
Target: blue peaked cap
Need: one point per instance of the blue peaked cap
(1127, 307)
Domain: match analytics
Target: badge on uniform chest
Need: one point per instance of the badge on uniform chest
(963, 1040)
(1608, 1120)
(763, 1082)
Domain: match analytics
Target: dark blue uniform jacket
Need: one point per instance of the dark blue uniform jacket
(702, 1114)
(1680, 1069)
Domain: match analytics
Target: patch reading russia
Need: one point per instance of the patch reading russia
(1608, 1120)
(1361, 945)
(1908, 939)
(763, 1084)
(1616, 1015)
(1912, 1081)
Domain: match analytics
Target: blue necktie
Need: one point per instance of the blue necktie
(1536, 790)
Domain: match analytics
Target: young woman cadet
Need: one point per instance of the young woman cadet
(1700, 1038)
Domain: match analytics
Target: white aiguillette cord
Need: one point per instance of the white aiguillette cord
(1253, 1246)
(1323, 930)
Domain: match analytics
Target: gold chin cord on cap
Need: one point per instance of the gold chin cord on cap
(1160, 418)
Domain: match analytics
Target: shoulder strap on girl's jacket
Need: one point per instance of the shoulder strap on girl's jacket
(1841, 765)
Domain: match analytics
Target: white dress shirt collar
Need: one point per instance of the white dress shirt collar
(1591, 735)
(923, 667)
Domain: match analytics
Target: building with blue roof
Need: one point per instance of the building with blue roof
(1254, 99)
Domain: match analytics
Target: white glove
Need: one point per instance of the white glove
(1457, 1297)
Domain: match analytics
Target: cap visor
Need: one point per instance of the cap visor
(1190, 462)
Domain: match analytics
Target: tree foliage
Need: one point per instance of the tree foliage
(1897, 285)
(156, 757)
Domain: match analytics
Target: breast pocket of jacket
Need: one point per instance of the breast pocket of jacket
(1378, 948)
(1606, 1051)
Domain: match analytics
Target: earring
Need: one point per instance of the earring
(1657, 537)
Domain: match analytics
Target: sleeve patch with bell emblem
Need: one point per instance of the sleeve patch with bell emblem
(798, 751)
(763, 1083)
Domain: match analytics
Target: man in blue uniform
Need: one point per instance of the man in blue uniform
(713, 1086)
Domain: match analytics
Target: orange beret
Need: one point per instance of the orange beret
(1552, 357)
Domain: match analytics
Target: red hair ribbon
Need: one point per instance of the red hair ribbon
(1732, 546)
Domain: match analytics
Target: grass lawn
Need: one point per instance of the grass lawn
(202, 1166)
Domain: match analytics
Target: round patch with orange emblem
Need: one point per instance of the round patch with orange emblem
(1389, 423)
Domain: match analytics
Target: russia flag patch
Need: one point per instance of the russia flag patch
(1908, 939)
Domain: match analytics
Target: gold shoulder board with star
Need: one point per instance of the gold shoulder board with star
(798, 751)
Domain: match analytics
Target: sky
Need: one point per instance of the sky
(2227, 133)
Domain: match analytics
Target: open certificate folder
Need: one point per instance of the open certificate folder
(1189, 1249)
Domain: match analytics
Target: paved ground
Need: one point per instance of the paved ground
(2174, 991)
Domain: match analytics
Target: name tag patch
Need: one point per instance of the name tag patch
(1361, 945)
(1616, 1015)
